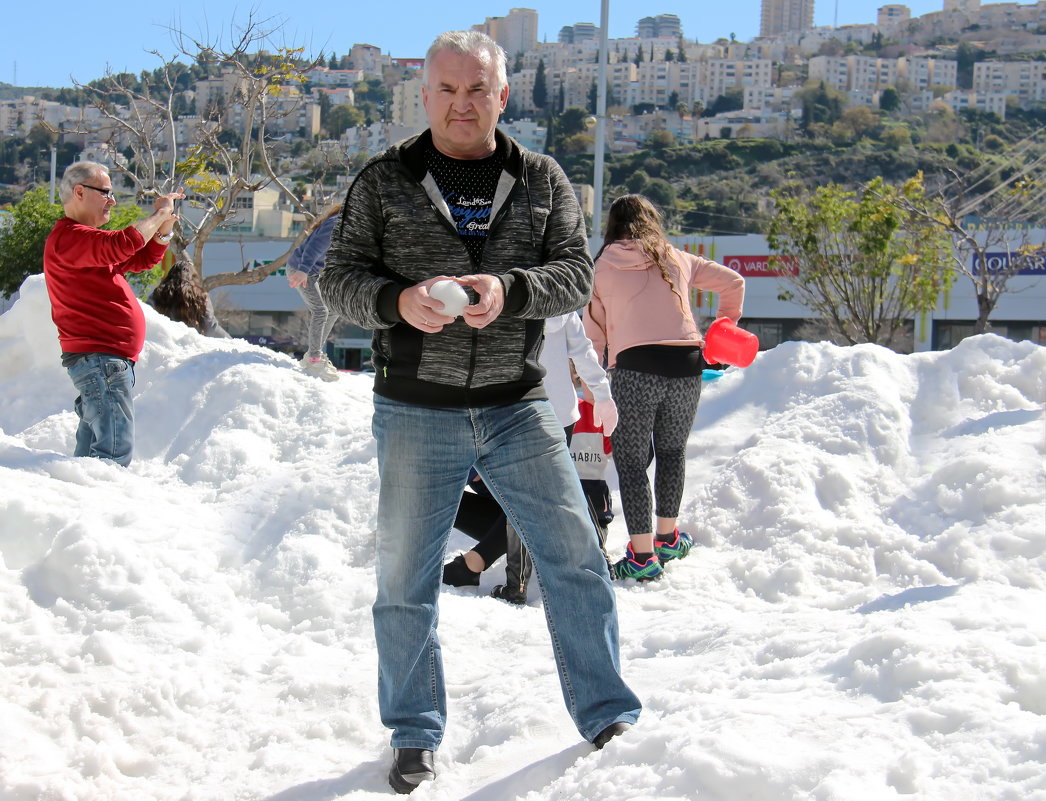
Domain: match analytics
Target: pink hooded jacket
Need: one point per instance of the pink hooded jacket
(633, 305)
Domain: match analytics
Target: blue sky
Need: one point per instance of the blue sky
(45, 45)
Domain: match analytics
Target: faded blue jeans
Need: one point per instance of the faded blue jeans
(424, 456)
(104, 406)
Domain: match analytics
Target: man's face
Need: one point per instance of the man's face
(463, 104)
(91, 201)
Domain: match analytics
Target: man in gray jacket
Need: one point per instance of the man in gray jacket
(462, 201)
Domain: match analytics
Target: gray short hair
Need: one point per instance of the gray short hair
(79, 172)
(470, 43)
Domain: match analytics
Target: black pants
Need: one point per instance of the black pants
(482, 518)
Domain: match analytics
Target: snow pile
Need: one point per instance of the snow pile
(861, 617)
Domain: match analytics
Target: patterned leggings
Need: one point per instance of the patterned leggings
(659, 408)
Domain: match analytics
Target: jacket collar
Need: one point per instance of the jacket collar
(412, 153)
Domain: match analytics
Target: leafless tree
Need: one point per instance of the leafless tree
(989, 216)
(223, 153)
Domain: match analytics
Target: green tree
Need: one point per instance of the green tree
(866, 265)
(22, 242)
(966, 55)
(32, 218)
(540, 96)
(889, 99)
(897, 136)
(663, 194)
(235, 145)
(637, 182)
(340, 118)
(572, 121)
(730, 100)
(821, 104)
(981, 212)
(660, 140)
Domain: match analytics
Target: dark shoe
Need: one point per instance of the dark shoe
(458, 574)
(411, 767)
(611, 731)
(511, 594)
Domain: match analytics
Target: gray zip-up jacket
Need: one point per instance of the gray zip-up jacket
(396, 231)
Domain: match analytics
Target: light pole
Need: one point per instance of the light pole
(54, 163)
(601, 127)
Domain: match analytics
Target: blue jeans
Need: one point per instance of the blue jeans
(104, 407)
(424, 456)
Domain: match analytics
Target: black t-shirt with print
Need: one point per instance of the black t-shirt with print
(468, 187)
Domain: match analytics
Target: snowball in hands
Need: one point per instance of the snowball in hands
(452, 296)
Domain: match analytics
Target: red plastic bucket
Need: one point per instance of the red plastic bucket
(725, 343)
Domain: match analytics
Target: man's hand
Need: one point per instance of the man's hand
(491, 300)
(297, 279)
(164, 204)
(163, 218)
(420, 310)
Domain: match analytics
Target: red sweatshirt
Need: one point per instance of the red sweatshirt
(92, 304)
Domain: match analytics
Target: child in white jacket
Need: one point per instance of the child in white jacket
(565, 344)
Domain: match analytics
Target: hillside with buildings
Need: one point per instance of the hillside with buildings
(705, 128)
(660, 83)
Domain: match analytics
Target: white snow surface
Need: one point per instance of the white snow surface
(861, 618)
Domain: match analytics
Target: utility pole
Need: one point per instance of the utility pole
(601, 122)
(54, 166)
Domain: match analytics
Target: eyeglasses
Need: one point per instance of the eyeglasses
(107, 193)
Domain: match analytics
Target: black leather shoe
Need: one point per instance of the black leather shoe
(611, 731)
(458, 574)
(511, 594)
(410, 767)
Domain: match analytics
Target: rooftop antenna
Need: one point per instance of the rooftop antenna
(835, 20)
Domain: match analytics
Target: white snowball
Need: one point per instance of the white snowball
(452, 295)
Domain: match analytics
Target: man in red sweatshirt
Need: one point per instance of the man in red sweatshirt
(100, 322)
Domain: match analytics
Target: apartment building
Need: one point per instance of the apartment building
(924, 73)
(337, 96)
(217, 89)
(963, 6)
(663, 26)
(1023, 80)
(516, 33)
(870, 75)
(780, 16)
(321, 76)
(771, 98)
(408, 108)
(892, 18)
(369, 59)
(747, 123)
(371, 139)
(578, 32)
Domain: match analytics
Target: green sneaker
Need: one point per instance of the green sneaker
(675, 548)
(629, 568)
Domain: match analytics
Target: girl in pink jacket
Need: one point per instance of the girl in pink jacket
(640, 316)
